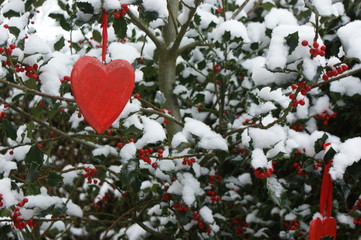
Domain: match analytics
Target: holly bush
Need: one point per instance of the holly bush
(237, 107)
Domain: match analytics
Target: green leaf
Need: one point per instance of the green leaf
(32, 189)
(199, 98)
(32, 172)
(226, 36)
(54, 211)
(85, 7)
(64, 24)
(59, 44)
(54, 179)
(15, 31)
(28, 5)
(329, 155)
(31, 83)
(120, 27)
(267, 6)
(319, 143)
(292, 41)
(202, 65)
(34, 156)
(9, 129)
(11, 13)
(97, 36)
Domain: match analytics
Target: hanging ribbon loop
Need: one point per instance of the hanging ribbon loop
(104, 26)
(326, 192)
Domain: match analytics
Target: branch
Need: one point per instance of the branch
(140, 24)
(29, 90)
(347, 74)
(45, 124)
(239, 9)
(189, 46)
(184, 27)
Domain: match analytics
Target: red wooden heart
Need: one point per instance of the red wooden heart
(322, 228)
(101, 91)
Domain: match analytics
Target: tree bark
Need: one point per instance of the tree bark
(167, 68)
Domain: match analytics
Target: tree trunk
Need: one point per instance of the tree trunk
(167, 68)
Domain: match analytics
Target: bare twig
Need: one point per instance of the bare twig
(29, 90)
(140, 24)
(239, 9)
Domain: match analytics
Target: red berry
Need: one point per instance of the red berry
(116, 15)
(52, 134)
(301, 102)
(219, 10)
(292, 96)
(12, 46)
(25, 200)
(137, 96)
(40, 146)
(154, 165)
(166, 121)
(344, 67)
(6, 26)
(11, 152)
(315, 45)
(294, 86)
(325, 77)
(323, 47)
(304, 43)
(108, 133)
(119, 145)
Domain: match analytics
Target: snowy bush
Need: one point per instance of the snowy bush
(237, 107)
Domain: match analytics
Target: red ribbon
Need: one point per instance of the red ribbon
(326, 192)
(104, 25)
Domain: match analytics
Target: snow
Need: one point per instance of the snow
(267, 138)
(69, 177)
(123, 51)
(187, 186)
(158, 6)
(256, 31)
(135, 232)
(73, 209)
(13, 5)
(10, 197)
(278, 17)
(206, 214)
(208, 138)
(345, 219)
(234, 27)
(4, 35)
(104, 150)
(259, 159)
(128, 152)
(350, 36)
(245, 179)
(348, 86)
(349, 153)
(178, 139)
(34, 44)
(324, 7)
(153, 132)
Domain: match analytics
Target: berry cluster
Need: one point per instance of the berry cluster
(299, 169)
(326, 117)
(357, 221)
(241, 226)
(317, 166)
(8, 50)
(214, 178)
(18, 222)
(104, 199)
(297, 128)
(201, 224)
(3, 113)
(188, 161)
(304, 89)
(213, 196)
(315, 49)
(89, 173)
(166, 197)
(248, 122)
(292, 225)
(145, 153)
(242, 151)
(122, 12)
(217, 68)
(262, 174)
(178, 207)
(335, 71)
(166, 111)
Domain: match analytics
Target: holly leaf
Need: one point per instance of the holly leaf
(15, 31)
(292, 41)
(329, 155)
(9, 129)
(34, 156)
(59, 44)
(54, 179)
(11, 13)
(276, 191)
(120, 27)
(54, 211)
(97, 36)
(85, 7)
(319, 143)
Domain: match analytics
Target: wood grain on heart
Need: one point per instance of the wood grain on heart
(322, 228)
(101, 91)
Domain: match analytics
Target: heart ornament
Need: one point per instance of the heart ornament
(322, 228)
(101, 91)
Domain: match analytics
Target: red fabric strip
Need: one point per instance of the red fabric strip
(104, 25)
(326, 192)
